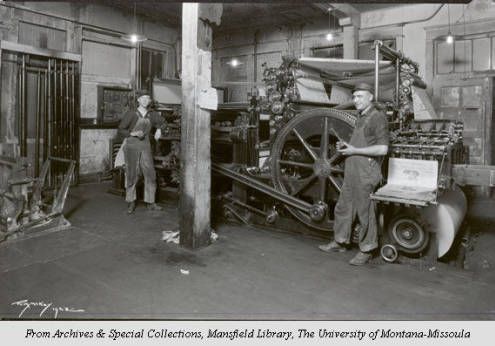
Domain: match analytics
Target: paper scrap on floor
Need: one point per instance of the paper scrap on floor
(213, 236)
(171, 236)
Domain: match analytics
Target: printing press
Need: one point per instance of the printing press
(284, 165)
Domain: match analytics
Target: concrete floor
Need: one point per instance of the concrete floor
(112, 265)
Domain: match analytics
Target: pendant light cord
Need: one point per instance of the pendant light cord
(448, 11)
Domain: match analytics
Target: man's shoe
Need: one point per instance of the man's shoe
(154, 206)
(333, 246)
(131, 207)
(360, 259)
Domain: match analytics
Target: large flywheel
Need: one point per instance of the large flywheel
(306, 165)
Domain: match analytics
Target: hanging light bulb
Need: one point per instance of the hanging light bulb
(449, 38)
(329, 36)
(234, 62)
(134, 37)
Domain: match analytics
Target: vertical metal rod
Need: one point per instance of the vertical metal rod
(23, 108)
(378, 44)
(38, 126)
(0, 62)
(64, 110)
(60, 129)
(61, 133)
(67, 112)
(20, 121)
(256, 115)
(71, 109)
(55, 122)
(18, 103)
(63, 113)
(49, 128)
(77, 116)
(397, 82)
(56, 126)
(45, 116)
(59, 117)
(73, 115)
(138, 67)
(24, 105)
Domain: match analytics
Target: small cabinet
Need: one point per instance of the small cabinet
(113, 103)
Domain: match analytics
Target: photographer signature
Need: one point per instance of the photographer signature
(44, 307)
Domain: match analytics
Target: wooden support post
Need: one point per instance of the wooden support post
(195, 199)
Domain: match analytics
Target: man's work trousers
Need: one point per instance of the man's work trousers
(361, 178)
(139, 163)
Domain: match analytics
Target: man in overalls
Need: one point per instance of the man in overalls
(364, 154)
(135, 127)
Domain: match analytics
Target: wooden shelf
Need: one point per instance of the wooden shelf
(233, 106)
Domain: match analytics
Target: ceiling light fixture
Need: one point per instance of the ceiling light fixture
(134, 37)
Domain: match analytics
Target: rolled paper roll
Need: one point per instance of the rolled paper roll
(446, 218)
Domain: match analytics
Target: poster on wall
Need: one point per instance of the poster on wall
(450, 97)
(471, 96)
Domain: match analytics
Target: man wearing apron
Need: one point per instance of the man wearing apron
(362, 174)
(135, 127)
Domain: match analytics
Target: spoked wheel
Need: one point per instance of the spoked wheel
(305, 163)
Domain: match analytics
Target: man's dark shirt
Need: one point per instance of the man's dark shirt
(130, 118)
(376, 128)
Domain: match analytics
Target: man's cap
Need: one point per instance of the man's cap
(141, 92)
(363, 86)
